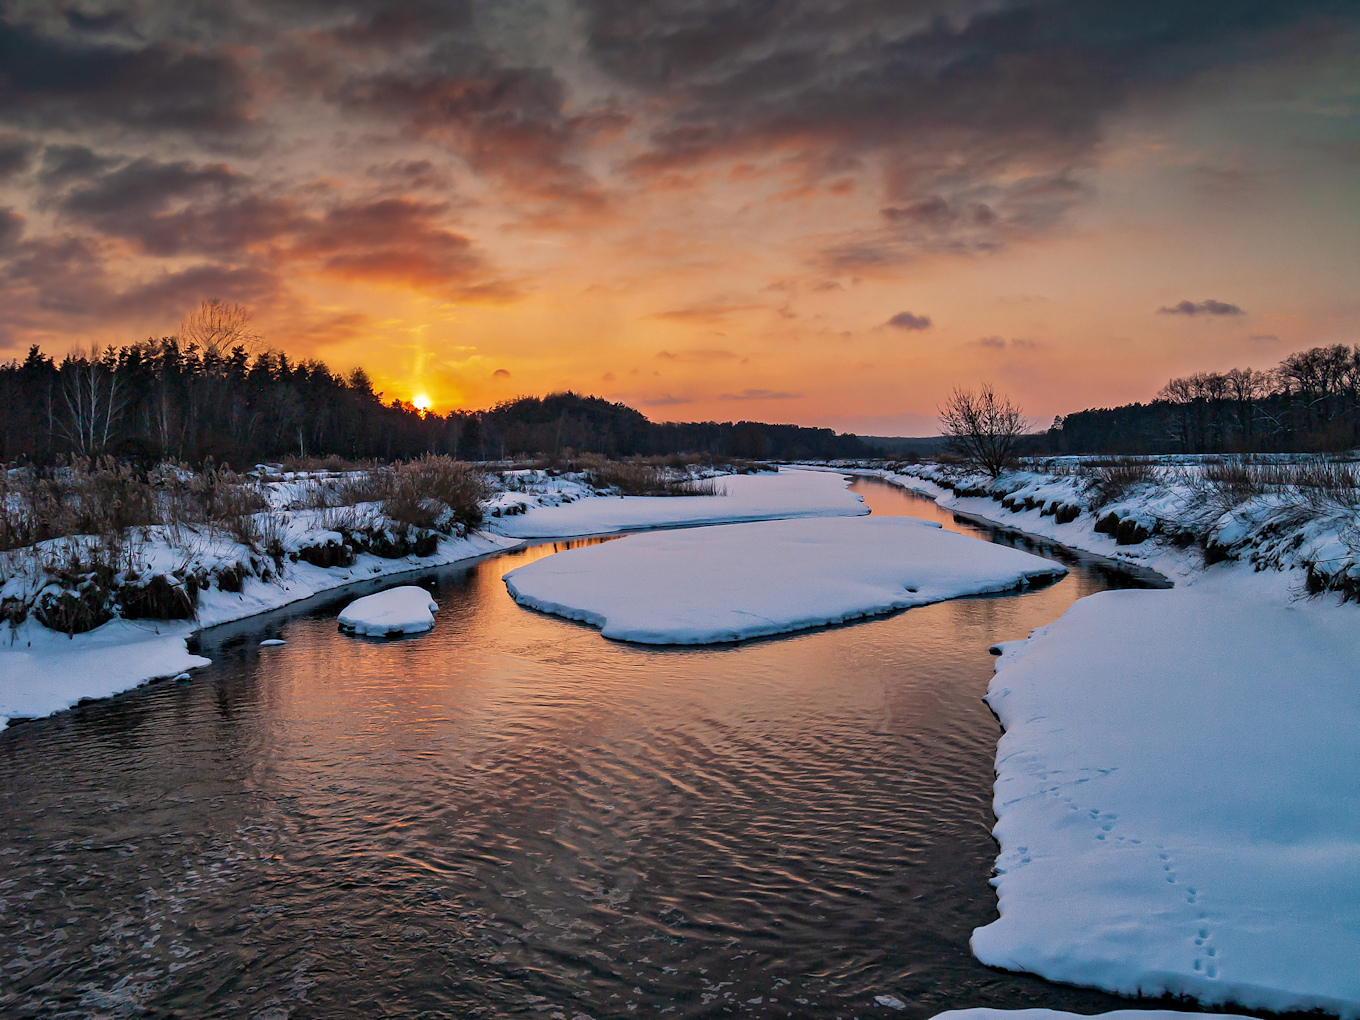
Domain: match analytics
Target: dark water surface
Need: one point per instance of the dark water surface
(511, 816)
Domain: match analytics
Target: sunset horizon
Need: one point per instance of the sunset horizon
(826, 214)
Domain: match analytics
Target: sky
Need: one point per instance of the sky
(825, 212)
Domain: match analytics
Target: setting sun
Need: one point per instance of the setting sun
(421, 402)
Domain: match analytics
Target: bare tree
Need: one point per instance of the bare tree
(93, 401)
(982, 428)
(217, 328)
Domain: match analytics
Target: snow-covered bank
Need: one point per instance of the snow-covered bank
(740, 581)
(1170, 514)
(1176, 799)
(789, 493)
(1057, 1014)
(42, 671)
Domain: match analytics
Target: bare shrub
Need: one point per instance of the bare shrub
(434, 492)
(656, 476)
(1111, 482)
(1302, 489)
(983, 429)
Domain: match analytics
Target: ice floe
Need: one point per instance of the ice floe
(708, 585)
(405, 610)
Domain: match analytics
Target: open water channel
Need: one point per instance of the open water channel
(512, 816)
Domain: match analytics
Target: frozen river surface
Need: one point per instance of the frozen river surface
(509, 816)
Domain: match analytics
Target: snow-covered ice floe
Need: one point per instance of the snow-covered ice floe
(1176, 795)
(789, 493)
(392, 613)
(1057, 1014)
(707, 585)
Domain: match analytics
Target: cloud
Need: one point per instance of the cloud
(710, 314)
(157, 86)
(1264, 338)
(697, 356)
(181, 208)
(664, 400)
(998, 343)
(1206, 307)
(16, 153)
(759, 395)
(981, 116)
(908, 320)
(501, 373)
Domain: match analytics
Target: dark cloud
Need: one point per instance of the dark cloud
(1206, 307)
(501, 373)
(907, 320)
(759, 395)
(64, 163)
(16, 153)
(664, 400)
(158, 86)
(980, 114)
(110, 22)
(11, 228)
(510, 123)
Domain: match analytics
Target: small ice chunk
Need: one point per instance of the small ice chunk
(271, 642)
(181, 678)
(392, 613)
(891, 1001)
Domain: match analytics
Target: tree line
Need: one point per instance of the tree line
(208, 393)
(1310, 402)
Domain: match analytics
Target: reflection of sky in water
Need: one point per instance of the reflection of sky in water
(512, 807)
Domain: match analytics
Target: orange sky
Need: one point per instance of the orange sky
(704, 223)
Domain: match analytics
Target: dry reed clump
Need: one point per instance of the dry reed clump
(1106, 483)
(435, 492)
(648, 477)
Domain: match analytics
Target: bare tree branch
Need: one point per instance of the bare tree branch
(983, 428)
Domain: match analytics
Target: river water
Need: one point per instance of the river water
(511, 816)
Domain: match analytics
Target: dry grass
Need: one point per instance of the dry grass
(1110, 482)
(434, 492)
(655, 476)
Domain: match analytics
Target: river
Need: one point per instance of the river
(512, 816)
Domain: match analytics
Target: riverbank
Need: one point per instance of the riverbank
(1175, 807)
(44, 671)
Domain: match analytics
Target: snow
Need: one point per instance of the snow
(272, 642)
(1057, 1014)
(1176, 797)
(543, 507)
(792, 492)
(405, 610)
(707, 585)
(42, 671)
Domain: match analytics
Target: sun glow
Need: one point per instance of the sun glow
(421, 402)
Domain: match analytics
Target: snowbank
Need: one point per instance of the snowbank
(44, 672)
(391, 613)
(1176, 797)
(789, 493)
(707, 585)
(1057, 1014)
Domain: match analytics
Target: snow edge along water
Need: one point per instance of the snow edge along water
(43, 672)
